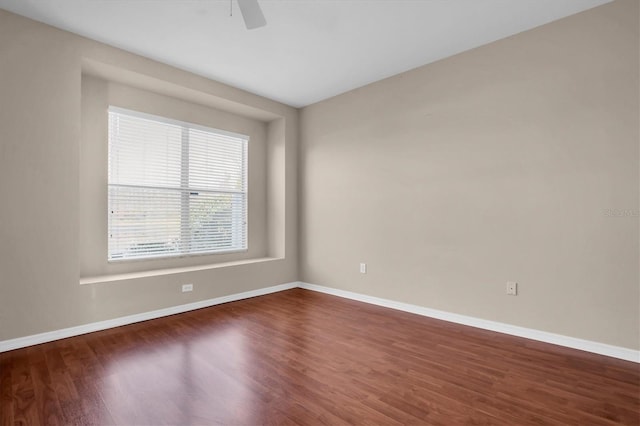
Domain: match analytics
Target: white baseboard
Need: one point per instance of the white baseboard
(542, 336)
(21, 342)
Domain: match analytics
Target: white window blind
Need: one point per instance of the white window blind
(174, 188)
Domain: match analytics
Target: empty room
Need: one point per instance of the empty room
(319, 212)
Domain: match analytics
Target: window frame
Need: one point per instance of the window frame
(185, 126)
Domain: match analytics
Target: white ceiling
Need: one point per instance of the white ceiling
(310, 50)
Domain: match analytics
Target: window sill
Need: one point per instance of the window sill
(169, 271)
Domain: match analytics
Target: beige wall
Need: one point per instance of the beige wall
(46, 181)
(495, 165)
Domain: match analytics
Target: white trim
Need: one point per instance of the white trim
(21, 342)
(528, 333)
(168, 271)
(542, 336)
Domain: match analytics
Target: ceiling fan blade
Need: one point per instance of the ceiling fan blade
(252, 14)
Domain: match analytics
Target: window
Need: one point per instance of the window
(174, 188)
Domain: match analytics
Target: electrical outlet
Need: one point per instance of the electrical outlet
(363, 268)
(512, 288)
(187, 287)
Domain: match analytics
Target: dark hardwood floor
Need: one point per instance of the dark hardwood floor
(299, 357)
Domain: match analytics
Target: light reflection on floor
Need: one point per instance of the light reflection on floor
(148, 380)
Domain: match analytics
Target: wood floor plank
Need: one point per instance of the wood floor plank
(25, 410)
(303, 358)
(6, 391)
(45, 396)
